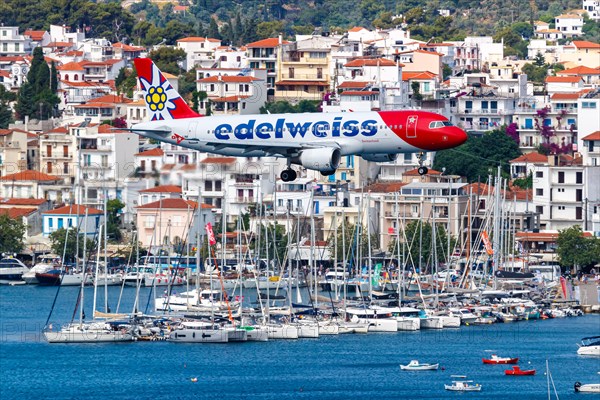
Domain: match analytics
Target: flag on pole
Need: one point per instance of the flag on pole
(211, 235)
(487, 243)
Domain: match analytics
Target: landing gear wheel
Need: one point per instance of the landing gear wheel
(423, 170)
(327, 173)
(288, 175)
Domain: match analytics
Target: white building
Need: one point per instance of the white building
(563, 180)
(588, 109)
(12, 43)
(569, 24)
(200, 51)
(106, 159)
(592, 7)
(230, 92)
(74, 216)
(149, 162)
(157, 193)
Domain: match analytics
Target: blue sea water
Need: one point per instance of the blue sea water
(331, 367)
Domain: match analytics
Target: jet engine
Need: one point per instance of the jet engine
(379, 157)
(325, 159)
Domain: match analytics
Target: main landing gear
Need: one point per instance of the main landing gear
(422, 169)
(288, 175)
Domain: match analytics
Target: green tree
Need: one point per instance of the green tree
(281, 107)
(167, 59)
(62, 235)
(479, 156)
(524, 183)
(539, 60)
(269, 29)
(416, 89)
(213, 29)
(535, 73)
(36, 98)
(11, 234)
(113, 210)
(576, 251)
(187, 84)
(6, 117)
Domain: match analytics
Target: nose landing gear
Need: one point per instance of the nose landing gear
(422, 169)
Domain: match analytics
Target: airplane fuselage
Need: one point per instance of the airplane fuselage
(286, 135)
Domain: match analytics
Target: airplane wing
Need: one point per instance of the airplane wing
(272, 149)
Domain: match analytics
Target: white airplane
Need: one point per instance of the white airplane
(313, 140)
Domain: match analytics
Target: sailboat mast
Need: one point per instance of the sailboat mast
(96, 274)
(83, 266)
(105, 250)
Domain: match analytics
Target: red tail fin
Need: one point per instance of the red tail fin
(162, 100)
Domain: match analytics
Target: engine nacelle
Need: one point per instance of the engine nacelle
(379, 157)
(325, 159)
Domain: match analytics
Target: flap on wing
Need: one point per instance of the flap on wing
(161, 130)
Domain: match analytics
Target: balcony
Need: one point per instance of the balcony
(57, 155)
(249, 200)
(305, 77)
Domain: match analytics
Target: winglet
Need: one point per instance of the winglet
(162, 100)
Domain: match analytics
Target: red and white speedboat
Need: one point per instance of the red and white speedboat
(494, 359)
(518, 371)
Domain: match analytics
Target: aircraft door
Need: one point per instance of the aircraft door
(411, 126)
(191, 133)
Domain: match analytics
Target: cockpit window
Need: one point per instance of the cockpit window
(439, 124)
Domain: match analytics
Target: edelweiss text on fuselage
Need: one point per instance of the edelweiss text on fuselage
(320, 129)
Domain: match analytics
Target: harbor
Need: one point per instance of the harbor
(332, 367)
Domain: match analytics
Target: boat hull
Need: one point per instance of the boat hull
(199, 336)
(587, 388)
(589, 351)
(500, 361)
(423, 367)
(75, 335)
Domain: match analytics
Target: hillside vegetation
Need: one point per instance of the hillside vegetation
(242, 21)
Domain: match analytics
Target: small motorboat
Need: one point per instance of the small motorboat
(590, 346)
(494, 359)
(587, 388)
(463, 386)
(516, 370)
(414, 365)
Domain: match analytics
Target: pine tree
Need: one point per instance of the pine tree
(213, 29)
(53, 79)
(36, 97)
(5, 115)
(25, 106)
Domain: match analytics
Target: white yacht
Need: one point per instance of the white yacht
(407, 317)
(93, 332)
(198, 332)
(46, 263)
(590, 346)
(12, 270)
(378, 321)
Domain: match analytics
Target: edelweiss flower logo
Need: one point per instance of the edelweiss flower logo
(159, 95)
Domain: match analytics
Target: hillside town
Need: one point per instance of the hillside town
(62, 170)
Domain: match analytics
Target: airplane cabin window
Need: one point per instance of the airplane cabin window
(436, 124)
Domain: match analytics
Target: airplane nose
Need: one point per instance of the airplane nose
(458, 137)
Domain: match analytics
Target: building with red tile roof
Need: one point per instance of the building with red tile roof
(87, 219)
(173, 218)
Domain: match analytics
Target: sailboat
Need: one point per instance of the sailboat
(92, 332)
